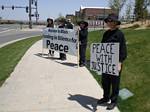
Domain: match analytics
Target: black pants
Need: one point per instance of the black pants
(110, 84)
(62, 56)
(51, 52)
(82, 53)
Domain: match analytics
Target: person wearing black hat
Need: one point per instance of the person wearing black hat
(69, 25)
(65, 24)
(83, 35)
(113, 35)
(62, 56)
(50, 24)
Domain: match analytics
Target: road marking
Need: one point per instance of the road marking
(6, 31)
(2, 45)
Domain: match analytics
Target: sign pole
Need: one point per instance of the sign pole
(30, 12)
(78, 56)
(42, 47)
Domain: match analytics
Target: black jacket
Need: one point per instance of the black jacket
(50, 25)
(69, 25)
(61, 26)
(83, 35)
(118, 37)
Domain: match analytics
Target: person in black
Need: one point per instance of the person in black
(113, 35)
(83, 35)
(62, 22)
(69, 24)
(50, 24)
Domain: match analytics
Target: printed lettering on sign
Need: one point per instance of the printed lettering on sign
(61, 40)
(105, 58)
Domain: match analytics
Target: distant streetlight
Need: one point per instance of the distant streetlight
(35, 3)
(30, 12)
(13, 7)
(27, 9)
(2, 7)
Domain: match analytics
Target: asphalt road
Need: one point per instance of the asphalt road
(10, 33)
(4, 27)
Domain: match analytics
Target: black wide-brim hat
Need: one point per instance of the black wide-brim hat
(83, 22)
(62, 20)
(49, 19)
(112, 17)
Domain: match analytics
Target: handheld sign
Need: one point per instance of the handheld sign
(105, 58)
(61, 40)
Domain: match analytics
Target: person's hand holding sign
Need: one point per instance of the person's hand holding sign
(119, 66)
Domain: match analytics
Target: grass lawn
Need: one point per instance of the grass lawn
(11, 54)
(136, 71)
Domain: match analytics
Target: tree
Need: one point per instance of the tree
(141, 10)
(145, 7)
(146, 4)
(117, 5)
(128, 11)
(138, 9)
(60, 17)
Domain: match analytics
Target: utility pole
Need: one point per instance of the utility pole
(36, 15)
(103, 18)
(36, 12)
(30, 14)
(28, 10)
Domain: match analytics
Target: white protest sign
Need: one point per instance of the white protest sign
(61, 40)
(105, 58)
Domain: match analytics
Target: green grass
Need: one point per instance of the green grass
(11, 54)
(136, 71)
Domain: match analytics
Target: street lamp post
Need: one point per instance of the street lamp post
(103, 18)
(30, 17)
(28, 10)
(36, 12)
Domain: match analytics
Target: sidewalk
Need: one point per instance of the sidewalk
(44, 84)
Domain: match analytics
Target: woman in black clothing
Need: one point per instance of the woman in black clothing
(83, 38)
(50, 24)
(62, 56)
(113, 35)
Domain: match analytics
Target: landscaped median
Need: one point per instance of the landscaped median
(11, 54)
(136, 70)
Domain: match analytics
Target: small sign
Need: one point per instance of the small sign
(105, 58)
(125, 94)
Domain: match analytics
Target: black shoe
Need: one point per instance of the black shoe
(52, 55)
(63, 59)
(81, 65)
(102, 102)
(111, 106)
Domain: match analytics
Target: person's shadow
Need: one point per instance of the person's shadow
(87, 102)
(46, 56)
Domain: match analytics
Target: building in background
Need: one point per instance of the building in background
(93, 15)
